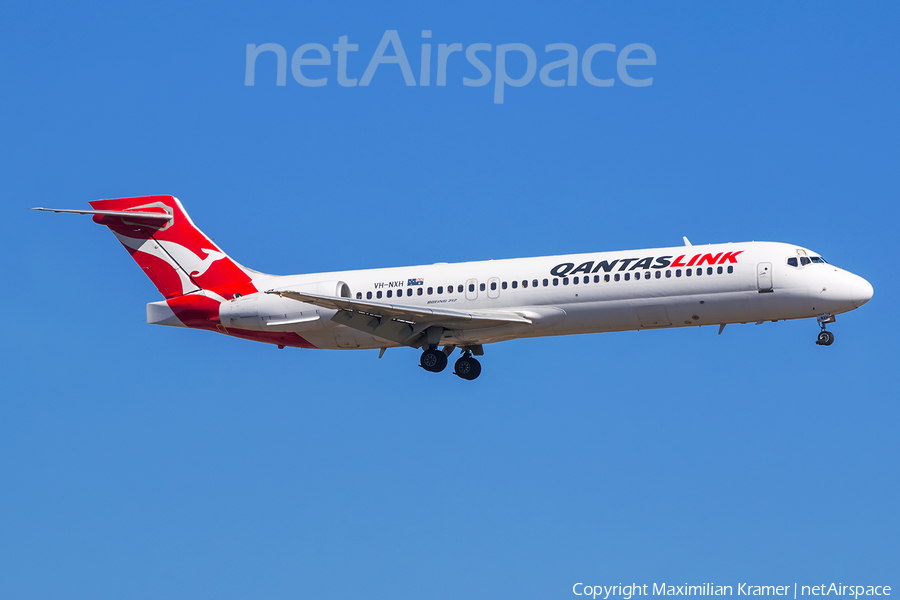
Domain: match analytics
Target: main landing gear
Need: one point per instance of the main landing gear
(433, 360)
(826, 338)
(466, 367)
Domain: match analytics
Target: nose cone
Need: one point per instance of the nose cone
(861, 291)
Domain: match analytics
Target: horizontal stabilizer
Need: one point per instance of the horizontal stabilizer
(124, 217)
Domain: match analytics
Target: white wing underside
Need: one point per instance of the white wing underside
(400, 323)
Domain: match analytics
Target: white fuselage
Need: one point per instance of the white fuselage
(562, 295)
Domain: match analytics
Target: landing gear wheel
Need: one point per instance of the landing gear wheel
(826, 338)
(467, 367)
(433, 360)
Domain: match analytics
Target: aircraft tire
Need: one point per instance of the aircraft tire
(826, 338)
(467, 368)
(433, 361)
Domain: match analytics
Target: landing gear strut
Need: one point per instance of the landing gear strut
(467, 367)
(826, 338)
(433, 360)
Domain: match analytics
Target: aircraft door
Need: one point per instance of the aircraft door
(493, 289)
(472, 289)
(764, 276)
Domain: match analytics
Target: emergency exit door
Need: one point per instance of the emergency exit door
(764, 277)
(472, 289)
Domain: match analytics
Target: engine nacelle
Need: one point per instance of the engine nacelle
(270, 312)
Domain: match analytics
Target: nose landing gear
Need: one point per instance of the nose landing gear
(826, 338)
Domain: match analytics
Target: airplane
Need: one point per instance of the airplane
(443, 307)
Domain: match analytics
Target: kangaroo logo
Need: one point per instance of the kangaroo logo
(211, 257)
(181, 259)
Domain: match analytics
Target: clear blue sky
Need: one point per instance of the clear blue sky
(150, 462)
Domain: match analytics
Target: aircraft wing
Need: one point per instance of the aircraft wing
(400, 323)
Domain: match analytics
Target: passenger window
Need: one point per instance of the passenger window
(617, 277)
(493, 285)
(646, 274)
(688, 272)
(459, 288)
(677, 272)
(534, 283)
(709, 270)
(359, 295)
(389, 293)
(627, 276)
(555, 281)
(606, 278)
(596, 279)
(524, 283)
(503, 285)
(440, 289)
(481, 287)
(471, 287)
(419, 292)
(804, 261)
(515, 284)
(658, 274)
(719, 270)
(669, 273)
(546, 283)
(792, 261)
(575, 281)
(430, 291)
(730, 269)
(565, 281)
(378, 294)
(368, 295)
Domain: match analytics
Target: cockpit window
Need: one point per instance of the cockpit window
(804, 261)
(792, 261)
(819, 259)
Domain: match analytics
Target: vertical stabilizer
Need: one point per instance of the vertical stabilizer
(175, 255)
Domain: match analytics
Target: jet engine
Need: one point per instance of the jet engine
(268, 312)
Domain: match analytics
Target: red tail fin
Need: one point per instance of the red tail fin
(176, 255)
